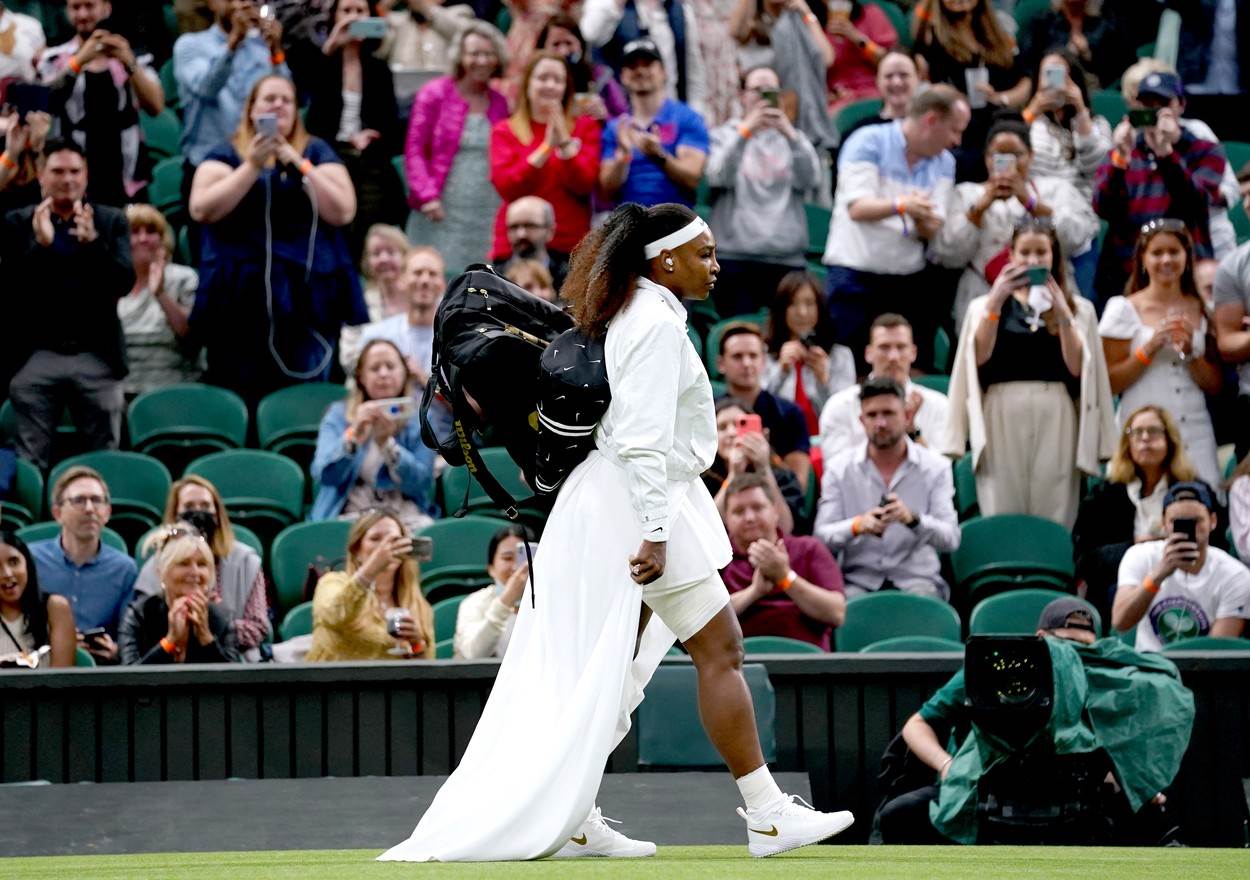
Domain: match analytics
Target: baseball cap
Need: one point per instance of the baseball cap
(641, 48)
(1190, 490)
(1058, 615)
(1161, 84)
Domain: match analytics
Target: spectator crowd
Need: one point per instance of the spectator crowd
(948, 231)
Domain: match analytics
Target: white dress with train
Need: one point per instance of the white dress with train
(568, 682)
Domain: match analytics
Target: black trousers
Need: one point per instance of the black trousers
(905, 819)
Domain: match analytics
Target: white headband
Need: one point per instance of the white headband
(689, 232)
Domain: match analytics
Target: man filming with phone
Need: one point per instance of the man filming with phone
(1182, 587)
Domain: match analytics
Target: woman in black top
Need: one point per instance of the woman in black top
(963, 45)
(351, 104)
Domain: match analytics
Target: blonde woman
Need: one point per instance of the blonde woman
(154, 314)
(355, 612)
(180, 623)
(1127, 508)
(382, 269)
(238, 585)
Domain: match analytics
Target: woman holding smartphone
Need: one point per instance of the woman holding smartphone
(1029, 387)
(633, 531)
(369, 450)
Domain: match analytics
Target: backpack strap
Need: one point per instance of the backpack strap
(479, 470)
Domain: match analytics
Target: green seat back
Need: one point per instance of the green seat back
(244, 535)
(459, 553)
(1013, 548)
(778, 645)
(169, 82)
(818, 218)
(913, 645)
(898, 19)
(249, 479)
(445, 612)
(83, 658)
(941, 350)
(1016, 613)
(445, 650)
(712, 348)
(876, 616)
(44, 531)
(1109, 104)
(293, 415)
(669, 731)
(937, 381)
(297, 622)
(323, 543)
(165, 189)
(397, 162)
(162, 134)
(178, 423)
(1027, 10)
(1237, 153)
(1207, 643)
(453, 481)
(850, 114)
(27, 502)
(966, 504)
(138, 485)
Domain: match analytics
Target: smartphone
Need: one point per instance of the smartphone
(368, 28)
(750, 424)
(28, 98)
(809, 340)
(1186, 526)
(93, 635)
(1004, 163)
(267, 125)
(771, 97)
(398, 408)
(521, 558)
(884, 499)
(422, 548)
(1146, 117)
(1036, 275)
(265, 11)
(1054, 76)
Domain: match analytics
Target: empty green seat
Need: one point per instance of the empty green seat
(445, 612)
(287, 421)
(44, 531)
(857, 111)
(876, 616)
(138, 486)
(778, 645)
(297, 622)
(1207, 643)
(169, 82)
(162, 134)
(165, 190)
(913, 645)
(459, 553)
(27, 502)
(296, 547)
(1016, 612)
(179, 423)
(669, 731)
(818, 219)
(965, 489)
(1109, 104)
(445, 650)
(1012, 550)
(939, 382)
(262, 490)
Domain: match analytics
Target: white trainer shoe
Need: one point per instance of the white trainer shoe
(789, 824)
(595, 838)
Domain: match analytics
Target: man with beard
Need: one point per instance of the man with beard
(529, 223)
(886, 507)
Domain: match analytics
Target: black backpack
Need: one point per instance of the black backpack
(488, 337)
(573, 395)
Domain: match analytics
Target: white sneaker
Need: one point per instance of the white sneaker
(789, 824)
(595, 838)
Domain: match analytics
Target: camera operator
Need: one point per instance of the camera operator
(1182, 587)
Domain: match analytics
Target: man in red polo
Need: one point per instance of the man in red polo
(779, 585)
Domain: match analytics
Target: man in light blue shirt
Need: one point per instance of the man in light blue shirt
(216, 69)
(97, 580)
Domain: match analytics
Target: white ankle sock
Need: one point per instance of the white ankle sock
(758, 788)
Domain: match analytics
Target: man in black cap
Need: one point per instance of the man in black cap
(1181, 587)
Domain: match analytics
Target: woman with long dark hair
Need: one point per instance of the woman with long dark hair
(30, 618)
(633, 531)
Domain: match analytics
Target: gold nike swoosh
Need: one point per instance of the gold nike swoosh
(581, 841)
(771, 832)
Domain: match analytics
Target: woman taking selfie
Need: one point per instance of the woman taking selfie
(374, 610)
(30, 618)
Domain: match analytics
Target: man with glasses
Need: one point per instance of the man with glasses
(97, 580)
(530, 222)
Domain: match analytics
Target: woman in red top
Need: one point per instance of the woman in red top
(541, 150)
(861, 35)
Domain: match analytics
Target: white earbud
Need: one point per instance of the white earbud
(668, 263)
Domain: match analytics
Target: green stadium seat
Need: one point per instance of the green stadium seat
(262, 490)
(165, 190)
(1237, 153)
(445, 612)
(818, 219)
(296, 547)
(913, 645)
(83, 658)
(44, 531)
(459, 558)
(847, 116)
(242, 534)
(287, 421)
(876, 616)
(454, 481)
(179, 423)
(669, 731)
(1016, 613)
(27, 502)
(1027, 10)
(936, 381)
(182, 250)
(162, 134)
(169, 84)
(1206, 643)
(445, 650)
(695, 340)
(1241, 222)
(778, 645)
(965, 489)
(297, 622)
(138, 485)
(712, 348)
(1109, 104)
(397, 162)
(941, 350)
(1012, 550)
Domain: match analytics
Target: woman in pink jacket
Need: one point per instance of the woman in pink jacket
(446, 157)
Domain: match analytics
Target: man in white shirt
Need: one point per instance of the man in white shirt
(424, 276)
(1182, 587)
(890, 353)
(886, 505)
(893, 184)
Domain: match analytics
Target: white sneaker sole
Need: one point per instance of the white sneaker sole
(779, 844)
(585, 853)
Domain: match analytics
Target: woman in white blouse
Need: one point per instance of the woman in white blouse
(633, 527)
(485, 619)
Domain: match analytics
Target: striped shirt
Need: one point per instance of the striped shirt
(1063, 153)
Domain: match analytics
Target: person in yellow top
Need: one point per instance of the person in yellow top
(351, 609)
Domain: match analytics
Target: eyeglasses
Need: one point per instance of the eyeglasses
(1164, 224)
(1149, 432)
(80, 502)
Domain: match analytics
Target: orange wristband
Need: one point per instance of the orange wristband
(74, 65)
(1029, 116)
(1119, 160)
(168, 647)
(787, 582)
(1141, 355)
(306, 167)
(992, 316)
(744, 131)
(6, 162)
(855, 527)
(1149, 585)
(277, 58)
(869, 48)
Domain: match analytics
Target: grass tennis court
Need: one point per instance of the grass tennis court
(672, 863)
